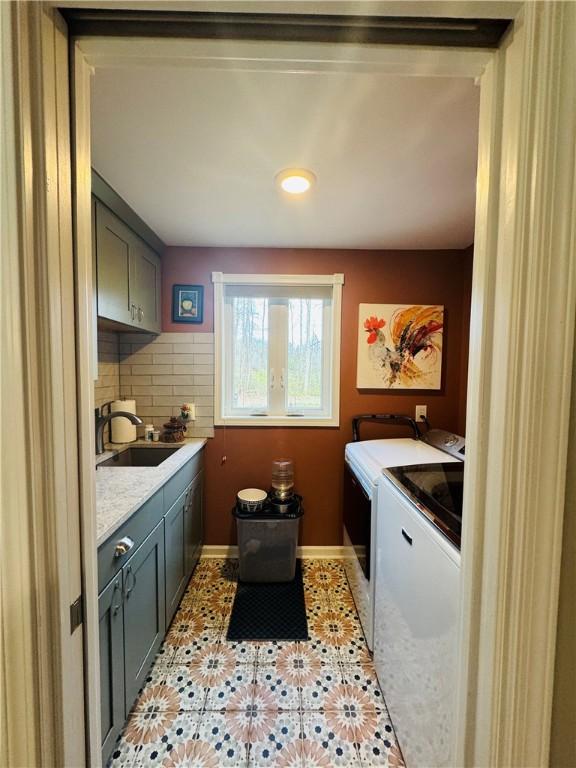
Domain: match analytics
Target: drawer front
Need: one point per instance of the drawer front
(137, 528)
(182, 479)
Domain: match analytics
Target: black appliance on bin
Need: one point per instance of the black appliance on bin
(267, 526)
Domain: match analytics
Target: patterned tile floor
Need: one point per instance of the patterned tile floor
(208, 702)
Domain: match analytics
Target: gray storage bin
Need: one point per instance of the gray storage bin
(267, 543)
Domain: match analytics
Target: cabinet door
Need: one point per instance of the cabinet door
(113, 257)
(112, 700)
(194, 523)
(144, 616)
(145, 295)
(174, 552)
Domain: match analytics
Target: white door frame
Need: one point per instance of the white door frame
(42, 685)
(523, 309)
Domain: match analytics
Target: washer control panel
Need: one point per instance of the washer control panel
(448, 442)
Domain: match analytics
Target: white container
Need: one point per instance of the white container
(148, 432)
(156, 436)
(122, 431)
(251, 499)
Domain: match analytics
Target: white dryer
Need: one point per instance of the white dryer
(364, 462)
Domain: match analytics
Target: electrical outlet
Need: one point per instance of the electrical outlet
(421, 411)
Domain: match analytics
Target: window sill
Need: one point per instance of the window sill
(277, 421)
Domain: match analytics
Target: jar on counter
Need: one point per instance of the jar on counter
(149, 433)
(156, 435)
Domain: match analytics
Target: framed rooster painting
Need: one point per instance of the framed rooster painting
(400, 346)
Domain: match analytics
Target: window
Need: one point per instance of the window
(277, 340)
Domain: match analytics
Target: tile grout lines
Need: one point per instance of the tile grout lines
(211, 702)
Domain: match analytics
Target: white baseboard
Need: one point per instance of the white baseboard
(322, 553)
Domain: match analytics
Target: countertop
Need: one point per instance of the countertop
(120, 491)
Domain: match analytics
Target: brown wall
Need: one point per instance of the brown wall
(403, 277)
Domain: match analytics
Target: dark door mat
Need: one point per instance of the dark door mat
(269, 611)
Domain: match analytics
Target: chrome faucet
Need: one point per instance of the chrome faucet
(101, 422)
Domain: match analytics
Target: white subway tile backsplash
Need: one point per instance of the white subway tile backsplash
(157, 347)
(203, 390)
(162, 372)
(171, 400)
(204, 360)
(186, 369)
(203, 432)
(152, 389)
(139, 370)
(203, 399)
(171, 359)
(137, 358)
(142, 401)
(204, 422)
(187, 348)
(205, 380)
(139, 380)
(171, 379)
(203, 338)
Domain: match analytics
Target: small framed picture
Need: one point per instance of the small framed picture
(187, 303)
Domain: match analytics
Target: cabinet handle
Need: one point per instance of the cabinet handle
(123, 546)
(140, 314)
(407, 537)
(116, 608)
(129, 590)
(132, 311)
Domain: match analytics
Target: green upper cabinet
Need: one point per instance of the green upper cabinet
(113, 266)
(128, 274)
(145, 285)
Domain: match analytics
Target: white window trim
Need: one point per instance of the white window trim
(220, 280)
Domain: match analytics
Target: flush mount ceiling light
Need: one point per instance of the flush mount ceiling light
(295, 181)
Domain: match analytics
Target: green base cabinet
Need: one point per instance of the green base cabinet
(194, 523)
(144, 618)
(112, 698)
(141, 585)
(183, 542)
(132, 626)
(176, 573)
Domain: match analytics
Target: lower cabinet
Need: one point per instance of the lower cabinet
(176, 576)
(149, 573)
(194, 523)
(183, 542)
(112, 698)
(144, 617)
(132, 624)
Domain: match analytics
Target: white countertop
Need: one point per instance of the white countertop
(120, 491)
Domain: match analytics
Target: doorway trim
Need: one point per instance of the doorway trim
(523, 309)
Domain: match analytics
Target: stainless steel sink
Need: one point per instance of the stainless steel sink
(139, 457)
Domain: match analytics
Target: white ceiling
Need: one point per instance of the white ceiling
(195, 150)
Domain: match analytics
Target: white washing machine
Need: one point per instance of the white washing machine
(416, 597)
(365, 461)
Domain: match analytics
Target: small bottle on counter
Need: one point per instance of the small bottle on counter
(156, 435)
(148, 432)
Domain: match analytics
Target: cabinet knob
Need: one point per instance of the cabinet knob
(123, 546)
